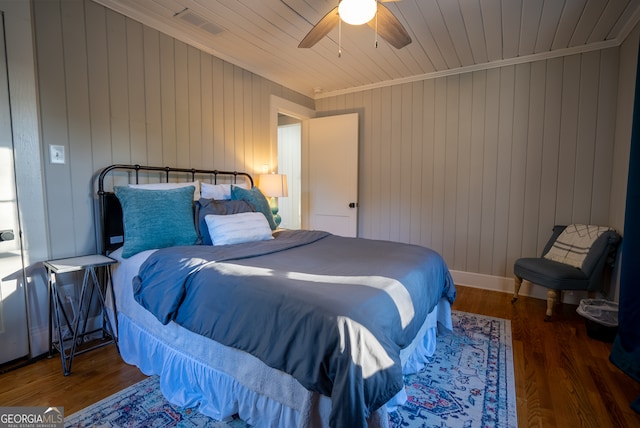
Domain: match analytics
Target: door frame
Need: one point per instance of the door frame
(282, 106)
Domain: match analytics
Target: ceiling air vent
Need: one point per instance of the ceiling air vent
(197, 20)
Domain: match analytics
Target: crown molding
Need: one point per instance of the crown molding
(478, 67)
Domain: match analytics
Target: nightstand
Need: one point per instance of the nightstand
(76, 340)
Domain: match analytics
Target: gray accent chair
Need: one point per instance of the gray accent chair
(558, 277)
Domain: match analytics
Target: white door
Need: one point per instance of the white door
(13, 312)
(333, 174)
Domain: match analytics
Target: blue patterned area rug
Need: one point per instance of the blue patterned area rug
(469, 384)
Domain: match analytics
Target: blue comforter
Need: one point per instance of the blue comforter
(333, 312)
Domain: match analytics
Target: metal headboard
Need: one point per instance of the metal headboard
(109, 206)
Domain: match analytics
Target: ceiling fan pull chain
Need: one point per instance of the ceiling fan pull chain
(376, 39)
(340, 39)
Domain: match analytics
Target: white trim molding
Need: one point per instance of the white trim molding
(505, 285)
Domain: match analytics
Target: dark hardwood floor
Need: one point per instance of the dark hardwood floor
(563, 377)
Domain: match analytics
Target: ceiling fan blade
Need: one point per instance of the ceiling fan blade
(321, 29)
(390, 28)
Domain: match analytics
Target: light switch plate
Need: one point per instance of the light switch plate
(56, 153)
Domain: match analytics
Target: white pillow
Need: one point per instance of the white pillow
(238, 228)
(166, 186)
(219, 191)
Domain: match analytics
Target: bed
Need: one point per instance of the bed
(282, 328)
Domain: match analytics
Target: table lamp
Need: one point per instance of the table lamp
(274, 186)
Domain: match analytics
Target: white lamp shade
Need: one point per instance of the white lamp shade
(357, 12)
(274, 185)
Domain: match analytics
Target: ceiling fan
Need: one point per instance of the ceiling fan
(358, 12)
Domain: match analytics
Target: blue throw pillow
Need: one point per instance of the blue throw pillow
(255, 197)
(156, 218)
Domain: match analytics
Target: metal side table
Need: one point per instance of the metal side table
(69, 344)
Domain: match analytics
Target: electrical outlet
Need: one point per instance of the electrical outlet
(56, 153)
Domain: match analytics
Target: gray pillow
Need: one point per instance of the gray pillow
(216, 207)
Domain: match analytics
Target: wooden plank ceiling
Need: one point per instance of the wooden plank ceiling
(449, 36)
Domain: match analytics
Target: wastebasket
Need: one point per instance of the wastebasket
(601, 318)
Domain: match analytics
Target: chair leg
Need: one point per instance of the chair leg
(517, 282)
(552, 296)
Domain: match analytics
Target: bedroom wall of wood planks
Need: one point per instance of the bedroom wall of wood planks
(114, 91)
(481, 165)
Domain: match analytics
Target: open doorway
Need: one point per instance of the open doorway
(288, 120)
(290, 164)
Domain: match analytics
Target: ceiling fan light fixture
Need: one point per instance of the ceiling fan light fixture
(357, 12)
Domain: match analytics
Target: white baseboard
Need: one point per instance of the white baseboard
(505, 285)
